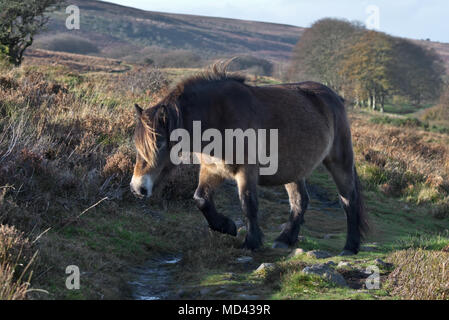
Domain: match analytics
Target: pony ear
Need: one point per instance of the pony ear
(139, 110)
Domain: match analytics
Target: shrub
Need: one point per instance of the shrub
(67, 43)
(250, 64)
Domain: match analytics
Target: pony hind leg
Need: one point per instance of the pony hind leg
(203, 197)
(349, 189)
(246, 182)
(299, 201)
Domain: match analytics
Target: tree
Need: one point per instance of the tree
(320, 51)
(369, 68)
(419, 71)
(20, 20)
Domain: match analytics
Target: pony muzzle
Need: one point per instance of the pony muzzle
(142, 186)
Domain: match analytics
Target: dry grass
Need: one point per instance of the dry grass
(403, 162)
(420, 274)
(66, 143)
(14, 261)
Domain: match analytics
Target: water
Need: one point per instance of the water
(153, 279)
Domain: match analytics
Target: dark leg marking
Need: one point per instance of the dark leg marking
(299, 201)
(246, 181)
(204, 201)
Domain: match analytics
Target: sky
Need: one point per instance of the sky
(415, 19)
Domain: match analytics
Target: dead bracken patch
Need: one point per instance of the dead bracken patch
(420, 274)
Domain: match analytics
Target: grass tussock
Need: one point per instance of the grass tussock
(15, 258)
(420, 274)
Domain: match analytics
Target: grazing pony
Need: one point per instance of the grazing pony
(312, 128)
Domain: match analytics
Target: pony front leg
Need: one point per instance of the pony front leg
(247, 181)
(204, 201)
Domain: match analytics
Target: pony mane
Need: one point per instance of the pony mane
(216, 73)
(168, 110)
(145, 135)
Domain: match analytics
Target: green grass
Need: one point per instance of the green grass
(411, 123)
(403, 108)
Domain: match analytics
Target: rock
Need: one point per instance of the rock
(381, 263)
(239, 223)
(330, 263)
(221, 292)
(326, 272)
(346, 253)
(369, 247)
(265, 267)
(317, 254)
(244, 259)
(301, 238)
(205, 291)
(248, 297)
(343, 264)
(296, 252)
(180, 293)
(328, 236)
(279, 245)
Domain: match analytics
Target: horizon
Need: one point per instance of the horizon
(416, 26)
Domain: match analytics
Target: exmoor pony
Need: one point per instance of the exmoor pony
(312, 128)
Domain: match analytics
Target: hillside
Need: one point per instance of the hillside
(70, 117)
(133, 34)
(120, 30)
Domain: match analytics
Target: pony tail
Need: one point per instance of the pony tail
(363, 221)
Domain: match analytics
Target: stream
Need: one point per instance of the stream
(152, 279)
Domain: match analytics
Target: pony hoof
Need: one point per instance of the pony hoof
(347, 253)
(279, 245)
(231, 228)
(252, 245)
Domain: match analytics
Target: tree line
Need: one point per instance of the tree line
(366, 66)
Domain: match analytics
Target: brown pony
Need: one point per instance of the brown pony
(312, 128)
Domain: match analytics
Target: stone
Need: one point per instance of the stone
(326, 272)
(279, 245)
(328, 236)
(248, 297)
(369, 247)
(318, 254)
(205, 291)
(239, 223)
(181, 293)
(330, 263)
(343, 264)
(265, 267)
(296, 252)
(381, 263)
(244, 259)
(221, 292)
